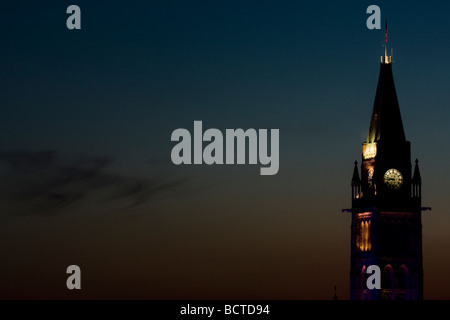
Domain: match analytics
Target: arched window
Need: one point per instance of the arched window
(364, 295)
(388, 277)
(363, 241)
(359, 232)
(403, 278)
(363, 278)
(360, 236)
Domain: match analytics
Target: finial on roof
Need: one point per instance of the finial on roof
(387, 59)
(355, 178)
(417, 179)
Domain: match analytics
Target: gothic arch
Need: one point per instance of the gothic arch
(403, 278)
(363, 241)
(388, 277)
(363, 277)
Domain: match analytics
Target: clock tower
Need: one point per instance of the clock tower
(386, 211)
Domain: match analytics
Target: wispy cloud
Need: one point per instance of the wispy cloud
(40, 182)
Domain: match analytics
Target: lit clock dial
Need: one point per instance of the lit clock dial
(393, 179)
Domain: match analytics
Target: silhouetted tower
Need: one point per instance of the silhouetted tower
(386, 208)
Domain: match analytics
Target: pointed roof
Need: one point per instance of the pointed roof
(417, 179)
(355, 178)
(386, 122)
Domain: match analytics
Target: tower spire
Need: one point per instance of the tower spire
(356, 181)
(416, 177)
(387, 59)
(386, 121)
(386, 211)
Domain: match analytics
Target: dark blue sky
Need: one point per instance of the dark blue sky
(137, 70)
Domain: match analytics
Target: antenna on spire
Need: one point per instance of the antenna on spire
(385, 37)
(387, 59)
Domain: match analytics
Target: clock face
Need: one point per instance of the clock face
(393, 179)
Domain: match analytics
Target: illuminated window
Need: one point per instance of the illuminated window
(370, 177)
(369, 150)
(364, 236)
(363, 241)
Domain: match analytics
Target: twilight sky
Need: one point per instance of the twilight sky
(85, 170)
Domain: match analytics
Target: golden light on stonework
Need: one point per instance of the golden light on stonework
(363, 240)
(363, 236)
(370, 177)
(369, 150)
